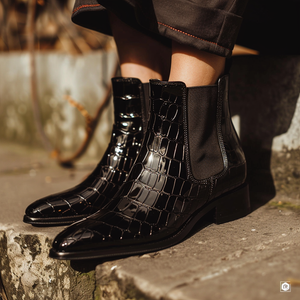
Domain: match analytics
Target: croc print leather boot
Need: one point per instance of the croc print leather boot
(131, 112)
(191, 163)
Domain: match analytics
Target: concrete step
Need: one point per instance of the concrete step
(246, 258)
(26, 270)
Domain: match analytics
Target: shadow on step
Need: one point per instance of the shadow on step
(264, 91)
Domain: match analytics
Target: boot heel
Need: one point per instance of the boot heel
(233, 205)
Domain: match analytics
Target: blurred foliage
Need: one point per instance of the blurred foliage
(53, 30)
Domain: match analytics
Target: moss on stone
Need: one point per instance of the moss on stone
(285, 205)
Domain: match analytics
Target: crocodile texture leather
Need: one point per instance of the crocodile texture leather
(103, 183)
(160, 200)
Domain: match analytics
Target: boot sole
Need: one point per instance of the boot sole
(47, 222)
(227, 207)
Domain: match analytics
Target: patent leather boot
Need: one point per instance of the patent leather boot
(191, 163)
(131, 112)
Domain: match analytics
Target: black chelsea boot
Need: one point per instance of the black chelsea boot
(131, 111)
(191, 163)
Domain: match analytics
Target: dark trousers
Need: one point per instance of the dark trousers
(209, 25)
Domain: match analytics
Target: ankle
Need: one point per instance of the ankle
(142, 72)
(194, 67)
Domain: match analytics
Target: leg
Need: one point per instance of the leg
(140, 55)
(195, 67)
(143, 57)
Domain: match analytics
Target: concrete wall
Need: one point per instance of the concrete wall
(82, 77)
(264, 95)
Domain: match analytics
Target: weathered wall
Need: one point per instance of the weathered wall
(264, 93)
(28, 273)
(83, 77)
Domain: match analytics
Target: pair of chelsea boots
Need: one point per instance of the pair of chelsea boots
(181, 164)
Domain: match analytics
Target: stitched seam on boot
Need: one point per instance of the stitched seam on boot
(85, 6)
(193, 36)
(220, 105)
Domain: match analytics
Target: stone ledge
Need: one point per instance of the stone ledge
(244, 259)
(28, 273)
(263, 246)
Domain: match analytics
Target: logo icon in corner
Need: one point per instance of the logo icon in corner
(285, 286)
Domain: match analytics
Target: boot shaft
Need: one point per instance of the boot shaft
(194, 126)
(131, 107)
